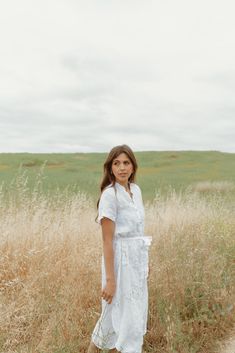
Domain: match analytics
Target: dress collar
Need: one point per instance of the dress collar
(123, 187)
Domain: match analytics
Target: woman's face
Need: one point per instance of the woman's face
(122, 168)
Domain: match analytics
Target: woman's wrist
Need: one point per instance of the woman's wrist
(110, 279)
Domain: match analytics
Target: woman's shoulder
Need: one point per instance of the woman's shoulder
(136, 187)
(108, 190)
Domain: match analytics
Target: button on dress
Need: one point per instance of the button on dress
(123, 323)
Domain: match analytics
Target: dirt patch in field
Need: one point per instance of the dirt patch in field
(4, 166)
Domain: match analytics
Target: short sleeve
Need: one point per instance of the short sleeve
(140, 193)
(107, 205)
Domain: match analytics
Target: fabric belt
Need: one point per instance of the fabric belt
(146, 238)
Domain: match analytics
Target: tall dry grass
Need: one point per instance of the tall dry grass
(192, 283)
(215, 186)
(50, 271)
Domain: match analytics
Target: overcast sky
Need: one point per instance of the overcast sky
(84, 76)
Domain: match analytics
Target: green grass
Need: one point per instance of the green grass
(157, 170)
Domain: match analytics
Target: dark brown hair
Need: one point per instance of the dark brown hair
(109, 178)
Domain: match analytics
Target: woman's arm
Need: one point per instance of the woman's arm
(108, 228)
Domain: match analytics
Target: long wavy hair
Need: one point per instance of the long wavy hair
(109, 178)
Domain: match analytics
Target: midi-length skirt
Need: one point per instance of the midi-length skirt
(123, 323)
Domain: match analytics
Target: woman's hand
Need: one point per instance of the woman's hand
(109, 290)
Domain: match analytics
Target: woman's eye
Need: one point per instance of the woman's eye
(126, 162)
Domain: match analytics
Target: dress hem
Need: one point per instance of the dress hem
(97, 346)
(110, 347)
(102, 347)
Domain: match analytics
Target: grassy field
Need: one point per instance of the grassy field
(157, 170)
(50, 251)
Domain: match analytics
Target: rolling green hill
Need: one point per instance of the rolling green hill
(157, 171)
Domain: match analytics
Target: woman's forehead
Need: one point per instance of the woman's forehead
(121, 157)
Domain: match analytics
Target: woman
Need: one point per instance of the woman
(123, 321)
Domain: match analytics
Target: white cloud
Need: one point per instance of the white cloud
(85, 75)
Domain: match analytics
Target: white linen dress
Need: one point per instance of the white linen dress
(123, 322)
